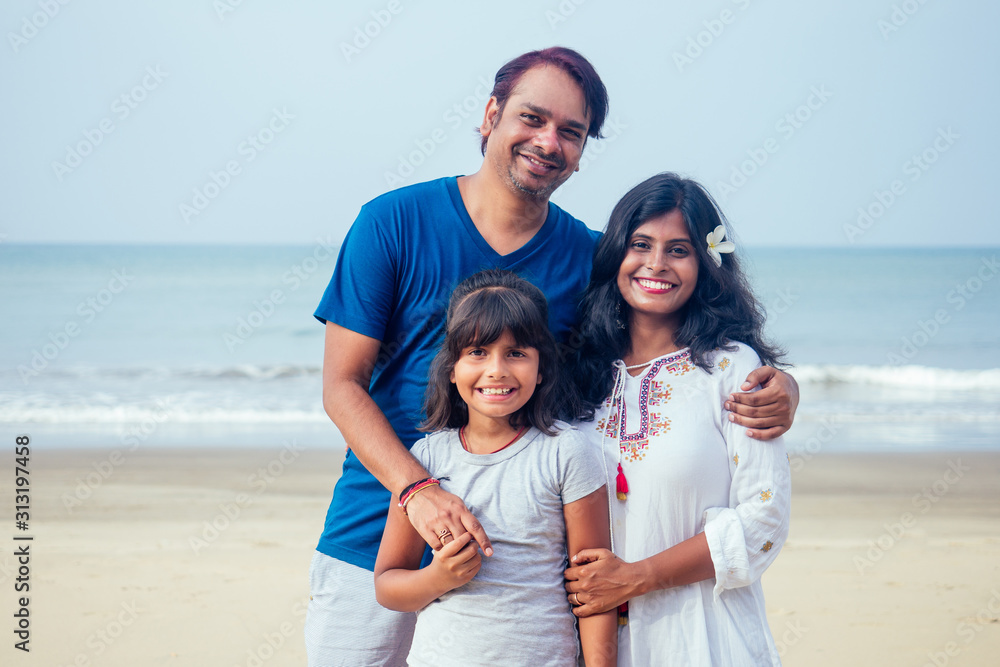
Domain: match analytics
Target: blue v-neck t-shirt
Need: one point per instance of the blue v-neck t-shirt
(399, 263)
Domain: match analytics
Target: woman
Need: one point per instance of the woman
(701, 509)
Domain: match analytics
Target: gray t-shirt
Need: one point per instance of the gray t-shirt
(514, 612)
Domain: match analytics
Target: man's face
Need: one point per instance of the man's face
(536, 143)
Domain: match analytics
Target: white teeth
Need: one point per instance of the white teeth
(654, 284)
(493, 391)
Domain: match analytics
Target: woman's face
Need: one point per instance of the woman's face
(660, 269)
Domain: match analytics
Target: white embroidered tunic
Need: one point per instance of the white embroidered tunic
(689, 469)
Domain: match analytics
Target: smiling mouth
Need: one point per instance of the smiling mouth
(496, 391)
(655, 284)
(540, 163)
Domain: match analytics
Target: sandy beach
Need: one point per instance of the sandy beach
(200, 558)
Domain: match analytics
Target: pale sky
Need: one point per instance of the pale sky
(117, 114)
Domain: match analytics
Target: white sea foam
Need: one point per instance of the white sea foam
(910, 377)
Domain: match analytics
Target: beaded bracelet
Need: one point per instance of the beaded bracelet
(417, 488)
(409, 487)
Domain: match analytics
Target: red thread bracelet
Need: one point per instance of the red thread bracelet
(417, 488)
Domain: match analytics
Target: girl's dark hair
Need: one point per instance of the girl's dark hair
(721, 310)
(481, 309)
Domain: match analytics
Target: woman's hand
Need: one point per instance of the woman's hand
(599, 581)
(769, 412)
(456, 563)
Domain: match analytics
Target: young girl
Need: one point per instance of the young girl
(701, 509)
(534, 483)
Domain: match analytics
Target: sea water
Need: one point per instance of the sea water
(128, 346)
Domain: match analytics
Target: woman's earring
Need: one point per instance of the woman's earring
(618, 316)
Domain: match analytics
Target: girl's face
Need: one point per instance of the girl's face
(496, 380)
(660, 269)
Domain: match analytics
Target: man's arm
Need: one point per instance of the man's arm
(767, 413)
(348, 361)
(401, 584)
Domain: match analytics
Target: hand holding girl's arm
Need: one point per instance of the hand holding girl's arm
(401, 585)
(602, 580)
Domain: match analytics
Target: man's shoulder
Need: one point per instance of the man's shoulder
(412, 194)
(574, 227)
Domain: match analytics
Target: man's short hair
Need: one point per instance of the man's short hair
(569, 61)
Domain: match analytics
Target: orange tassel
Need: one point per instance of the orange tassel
(622, 485)
(623, 614)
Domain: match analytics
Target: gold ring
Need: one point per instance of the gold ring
(443, 533)
(577, 603)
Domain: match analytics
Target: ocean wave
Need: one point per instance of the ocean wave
(91, 374)
(909, 377)
(159, 414)
(821, 374)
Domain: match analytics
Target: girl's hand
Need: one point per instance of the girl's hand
(599, 581)
(456, 563)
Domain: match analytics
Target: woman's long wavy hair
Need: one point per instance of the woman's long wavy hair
(482, 308)
(721, 310)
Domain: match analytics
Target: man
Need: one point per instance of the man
(384, 310)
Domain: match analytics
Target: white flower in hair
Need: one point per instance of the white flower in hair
(716, 245)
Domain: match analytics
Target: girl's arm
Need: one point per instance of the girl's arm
(400, 584)
(588, 527)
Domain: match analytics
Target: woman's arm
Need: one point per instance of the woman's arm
(587, 527)
(602, 580)
(739, 542)
(400, 584)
